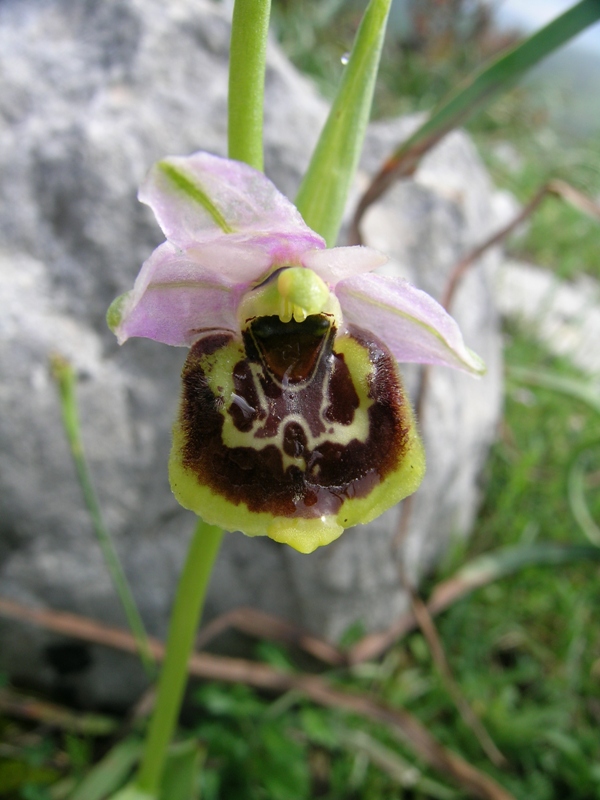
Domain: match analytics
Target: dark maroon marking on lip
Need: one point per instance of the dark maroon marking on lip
(343, 398)
(334, 471)
(290, 350)
(287, 394)
(294, 440)
(245, 408)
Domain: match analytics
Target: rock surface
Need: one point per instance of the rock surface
(564, 316)
(93, 94)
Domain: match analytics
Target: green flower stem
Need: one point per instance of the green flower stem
(65, 378)
(247, 80)
(245, 143)
(185, 617)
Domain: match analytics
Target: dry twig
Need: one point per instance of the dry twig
(555, 187)
(267, 626)
(453, 688)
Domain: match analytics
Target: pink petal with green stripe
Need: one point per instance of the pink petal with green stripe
(199, 198)
(411, 323)
(173, 300)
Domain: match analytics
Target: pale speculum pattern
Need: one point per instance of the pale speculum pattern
(292, 420)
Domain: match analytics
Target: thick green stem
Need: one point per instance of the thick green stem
(185, 617)
(247, 80)
(246, 96)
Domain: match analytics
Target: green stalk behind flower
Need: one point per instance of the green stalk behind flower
(247, 80)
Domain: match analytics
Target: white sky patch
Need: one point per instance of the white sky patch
(534, 14)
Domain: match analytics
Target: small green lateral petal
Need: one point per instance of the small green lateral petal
(114, 315)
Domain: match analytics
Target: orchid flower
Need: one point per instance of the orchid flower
(293, 420)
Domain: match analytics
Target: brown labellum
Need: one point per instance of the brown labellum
(303, 421)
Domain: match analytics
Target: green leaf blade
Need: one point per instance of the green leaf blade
(587, 391)
(180, 780)
(322, 195)
(502, 73)
(509, 560)
(472, 96)
(109, 773)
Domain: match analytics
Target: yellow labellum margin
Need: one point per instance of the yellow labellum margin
(304, 535)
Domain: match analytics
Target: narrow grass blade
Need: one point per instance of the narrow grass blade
(586, 391)
(131, 792)
(247, 80)
(473, 575)
(500, 563)
(576, 494)
(324, 190)
(108, 775)
(477, 92)
(65, 378)
(503, 72)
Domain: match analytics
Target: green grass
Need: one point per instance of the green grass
(527, 489)
(526, 649)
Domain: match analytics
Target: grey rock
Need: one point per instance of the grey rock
(564, 316)
(93, 94)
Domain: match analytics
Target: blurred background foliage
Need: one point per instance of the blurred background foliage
(525, 649)
(546, 127)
